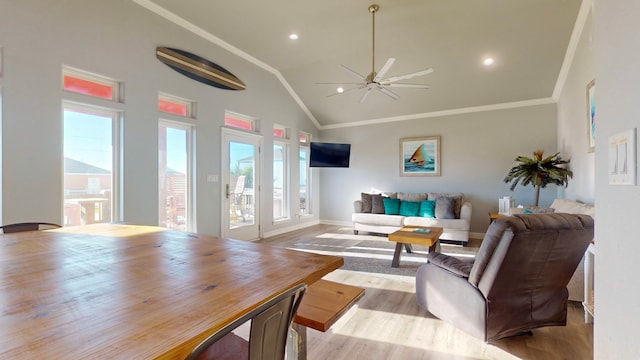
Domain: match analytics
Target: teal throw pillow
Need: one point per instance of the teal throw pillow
(409, 208)
(427, 209)
(391, 206)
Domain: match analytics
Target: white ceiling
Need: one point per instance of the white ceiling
(528, 39)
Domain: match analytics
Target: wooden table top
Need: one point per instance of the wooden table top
(406, 235)
(134, 292)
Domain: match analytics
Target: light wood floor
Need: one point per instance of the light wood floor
(388, 324)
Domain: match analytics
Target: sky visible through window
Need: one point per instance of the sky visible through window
(88, 138)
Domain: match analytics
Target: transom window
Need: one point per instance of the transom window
(174, 105)
(90, 84)
(239, 121)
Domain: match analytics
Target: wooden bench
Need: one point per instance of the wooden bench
(323, 304)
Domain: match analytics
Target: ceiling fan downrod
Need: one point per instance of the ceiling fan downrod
(373, 8)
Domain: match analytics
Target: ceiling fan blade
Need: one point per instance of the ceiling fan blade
(384, 69)
(414, 86)
(407, 76)
(366, 93)
(341, 83)
(389, 93)
(358, 75)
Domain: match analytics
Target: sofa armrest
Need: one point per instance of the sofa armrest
(465, 211)
(458, 267)
(357, 206)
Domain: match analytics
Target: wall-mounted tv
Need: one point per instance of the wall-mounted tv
(329, 155)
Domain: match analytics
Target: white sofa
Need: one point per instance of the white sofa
(453, 229)
(576, 284)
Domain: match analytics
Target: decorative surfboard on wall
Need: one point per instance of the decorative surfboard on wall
(199, 69)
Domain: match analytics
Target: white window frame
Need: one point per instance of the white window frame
(255, 124)
(190, 105)
(116, 165)
(117, 86)
(286, 182)
(308, 186)
(190, 173)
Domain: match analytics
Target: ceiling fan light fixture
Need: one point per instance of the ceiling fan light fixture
(376, 80)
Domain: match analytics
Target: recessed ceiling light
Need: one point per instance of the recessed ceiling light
(340, 90)
(488, 61)
(293, 36)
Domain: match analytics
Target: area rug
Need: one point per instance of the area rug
(370, 253)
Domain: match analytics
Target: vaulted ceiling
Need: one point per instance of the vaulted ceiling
(527, 38)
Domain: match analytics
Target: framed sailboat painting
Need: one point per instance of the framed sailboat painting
(420, 156)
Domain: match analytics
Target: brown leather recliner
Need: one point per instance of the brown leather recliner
(518, 280)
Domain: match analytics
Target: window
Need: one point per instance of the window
(280, 181)
(240, 121)
(304, 138)
(280, 132)
(305, 181)
(90, 84)
(174, 155)
(90, 164)
(175, 105)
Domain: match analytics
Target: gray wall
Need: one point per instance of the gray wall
(478, 149)
(617, 73)
(117, 39)
(572, 121)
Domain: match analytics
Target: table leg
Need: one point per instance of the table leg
(435, 246)
(396, 255)
(408, 248)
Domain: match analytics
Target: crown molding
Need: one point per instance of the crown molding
(159, 10)
(467, 110)
(583, 14)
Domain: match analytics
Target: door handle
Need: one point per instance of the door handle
(227, 191)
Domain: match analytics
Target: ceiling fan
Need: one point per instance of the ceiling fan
(375, 80)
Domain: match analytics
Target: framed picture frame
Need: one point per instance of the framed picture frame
(420, 156)
(591, 116)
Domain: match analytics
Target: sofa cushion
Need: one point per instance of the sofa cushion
(378, 219)
(377, 206)
(459, 197)
(409, 208)
(366, 202)
(391, 206)
(573, 207)
(449, 224)
(427, 209)
(445, 207)
(412, 196)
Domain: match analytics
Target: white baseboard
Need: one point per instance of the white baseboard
(290, 228)
(337, 223)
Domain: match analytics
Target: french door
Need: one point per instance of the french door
(240, 185)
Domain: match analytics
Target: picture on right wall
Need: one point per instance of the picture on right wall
(591, 116)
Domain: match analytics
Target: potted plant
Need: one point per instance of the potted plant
(539, 172)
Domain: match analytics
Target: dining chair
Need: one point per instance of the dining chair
(27, 226)
(270, 325)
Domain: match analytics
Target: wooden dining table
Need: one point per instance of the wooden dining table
(116, 291)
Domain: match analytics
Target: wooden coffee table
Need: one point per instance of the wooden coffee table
(407, 236)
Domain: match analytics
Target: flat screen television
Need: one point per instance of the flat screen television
(329, 155)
